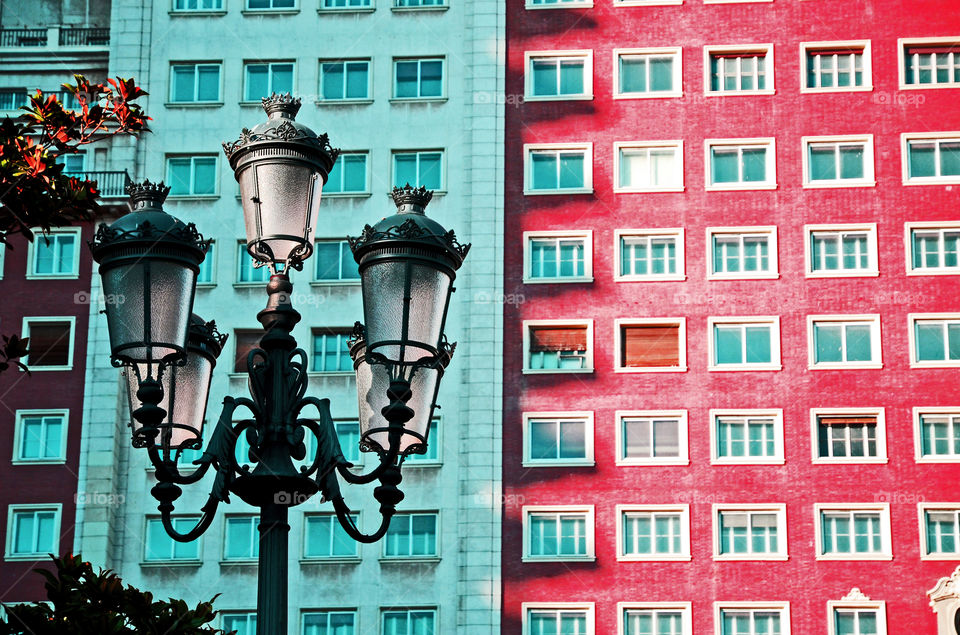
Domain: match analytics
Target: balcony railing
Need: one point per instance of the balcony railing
(23, 37)
(55, 36)
(111, 184)
(87, 36)
(14, 99)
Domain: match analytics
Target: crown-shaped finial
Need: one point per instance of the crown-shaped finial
(409, 199)
(283, 103)
(147, 195)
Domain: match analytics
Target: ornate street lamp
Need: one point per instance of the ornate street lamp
(407, 266)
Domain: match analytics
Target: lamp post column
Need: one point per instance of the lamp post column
(272, 574)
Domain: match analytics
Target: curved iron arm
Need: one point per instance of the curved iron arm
(209, 513)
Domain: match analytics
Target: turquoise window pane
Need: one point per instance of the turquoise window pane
(729, 66)
(858, 343)
(811, 70)
(729, 345)
(951, 245)
(328, 260)
(334, 182)
(544, 171)
(639, 624)
(571, 170)
(571, 77)
(357, 82)
(641, 261)
(953, 341)
(868, 623)
(930, 343)
(715, 63)
(851, 162)
(843, 70)
(573, 442)
(205, 176)
(661, 74)
(407, 73)
(717, 255)
(354, 172)
(828, 339)
(823, 163)
(544, 77)
(754, 165)
(922, 158)
(724, 165)
(855, 252)
(659, 255)
(748, 66)
(208, 82)
(663, 525)
(758, 344)
(332, 83)
(431, 78)
(625, 258)
(950, 158)
(183, 83)
(404, 169)
(282, 81)
(751, 255)
(633, 75)
(644, 528)
(178, 176)
(258, 82)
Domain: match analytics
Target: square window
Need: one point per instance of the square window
(844, 341)
(558, 256)
(739, 70)
(841, 250)
(933, 248)
(346, 5)
(740, 437)
(189, 6)
(934, 340)
(654, 72)
(432, 455)
(849, 435)
(856, 614)
(348, 435)
(853, 531)
(836, 66)
(245, 341)
(420, 78)
(939, 531)
(348, 176)
(40, 436)
(648, 166)
(241, 540)
(654, 618)
(557, 439)
(750, 532)
(651, 345)
(192, 175)
(409, 621)
(932, 157)
(193, 83)
(207, 267)
(929, 63)
(558, 75)
(331, 353)
(412, 536)
(335, 262)
(653, 532)
(418, 168)
(751, 618)
(51, 342)
(557, 533)
(54, 254)
(937, 435)
(740, 164)
(330, 622)
(742, 253)
(261, 79)
(558, 169)
(324, 537)
(652, 437)
(160, 547)
(270, 4)
(33, 531)
(560, 618)
(247, 273)
(744, 343)
(648, 255)
(243, 623)
(556, 346)
(344, 80)
(838, 161)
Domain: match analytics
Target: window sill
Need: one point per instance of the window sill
(331, 560)
(843, 274)
(408, 560)
(748, 461)
(555, 371)
(41, 369)
(933, 272)
(842, 366)
(936, 364)
(422, 463)
(750, 557)
(933, 180)
(928, 86)
(193, 104)
(190, 14)
(653, 278)
(429, 8)
(250, 285)
(323, 10)
(193, 197)
(206, 285)
(31, 276)
(652, 462)
(346, 194)
(163, 564)
(579, 190)
(417, 100)
(30, 557)
(542, 98)
(590, 463)
(940, 556)
(665, 369)
(334, 283)
(744, 367)
(832, 185)
(538, 7)
(570, 280)
(658, 95)
(739, 187)
(56, 461)
(269, 11)
(727, 276)
(854, 557)
(937, 459)
(843, 89)
(250, 562)
(648, 190)
(534, 559)
(739, 93)
(656, 558)
(342, 102)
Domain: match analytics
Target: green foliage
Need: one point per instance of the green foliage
(82, 602)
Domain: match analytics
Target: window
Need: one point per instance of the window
(841, 250)
(933, 248)
(654, 618)
(856, 614)
(838, 161)
(836, 66)
(849, 435)
(330, 622)
(192, 176)
(270, 4)
(40, 436)
(344, 80)
(55, 254)
(931, 158)
(207, 267)
(651, 345)
(51, 342)
(418, 621)
(751, 618)
(741, 164)
(348, 176)
(245, 340)
(555, 75)
(750, 532)
(324, 537)
(558, 4)
(853, 531)
(194, 83)
(558, 618)
(432, 456)
(558, 256)
(929, 63)
(653, 532)
(263, 79)
(739, 70)
(557, 439)
(418, 4)
(742, 253)
(412, 536)
(648, 255)
(652, 437)
(243, 623)
(160, 547)
(937, 435)
(424, 168)
(247, 273)
(557, 533)
(652, 72)
(934, 340)
(346, 5)
(241, 539)
(747, 436)
(844, 341)
(748, 343)
(335, 262)
(939, 531)
(418, 78)
(348, 434)
(558, 346)
(33, 531)
(648, 166)
(330, 351)
(558, 168)
(197, 5)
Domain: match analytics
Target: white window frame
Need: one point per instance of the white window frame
(352, 610)
(438, 534)
(211, 258)
(879, 413)
(909, 228)
(684, 608)
(32, 254)
(780, 509)
(366, 172)
(61, 457)
(271, 9)
(170, 562)
(407, 609)
(224, 560)
(885, 539)
(418, 151)
(903, 43)
(530, 148)
(346, 100)
(588, 426)
(12, 510)
(590, 527)
(582, 607)
(912, 319)
(768, 607)
(680, 322)
(773, 321)
(175, 11)
(580, 54)
(419, 60)
(767, 48)
(778, 453)
(856, 600)
(239, 612)
(196, 80)
(192, 195)
(769, 143)
(586, 236)
(305, 559)
(676, 144)
(588, 356)
(922, 509)
(677, 233)
(339, 281)
(662, 51)
(869, 177)
(560, 4)
(269, 63)
(917, 413)
(772, 253)
(868, 228)
(907, 137)
(876, 342)
(369, 7)
(682, 510)
(683, 436)
(809, 47)
(72, 319)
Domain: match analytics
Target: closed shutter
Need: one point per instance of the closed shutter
(49, 344)
(653, 345)
(559, 338)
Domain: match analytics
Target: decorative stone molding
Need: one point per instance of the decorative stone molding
(855, 595)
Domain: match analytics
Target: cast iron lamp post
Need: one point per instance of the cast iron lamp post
(407, 265)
